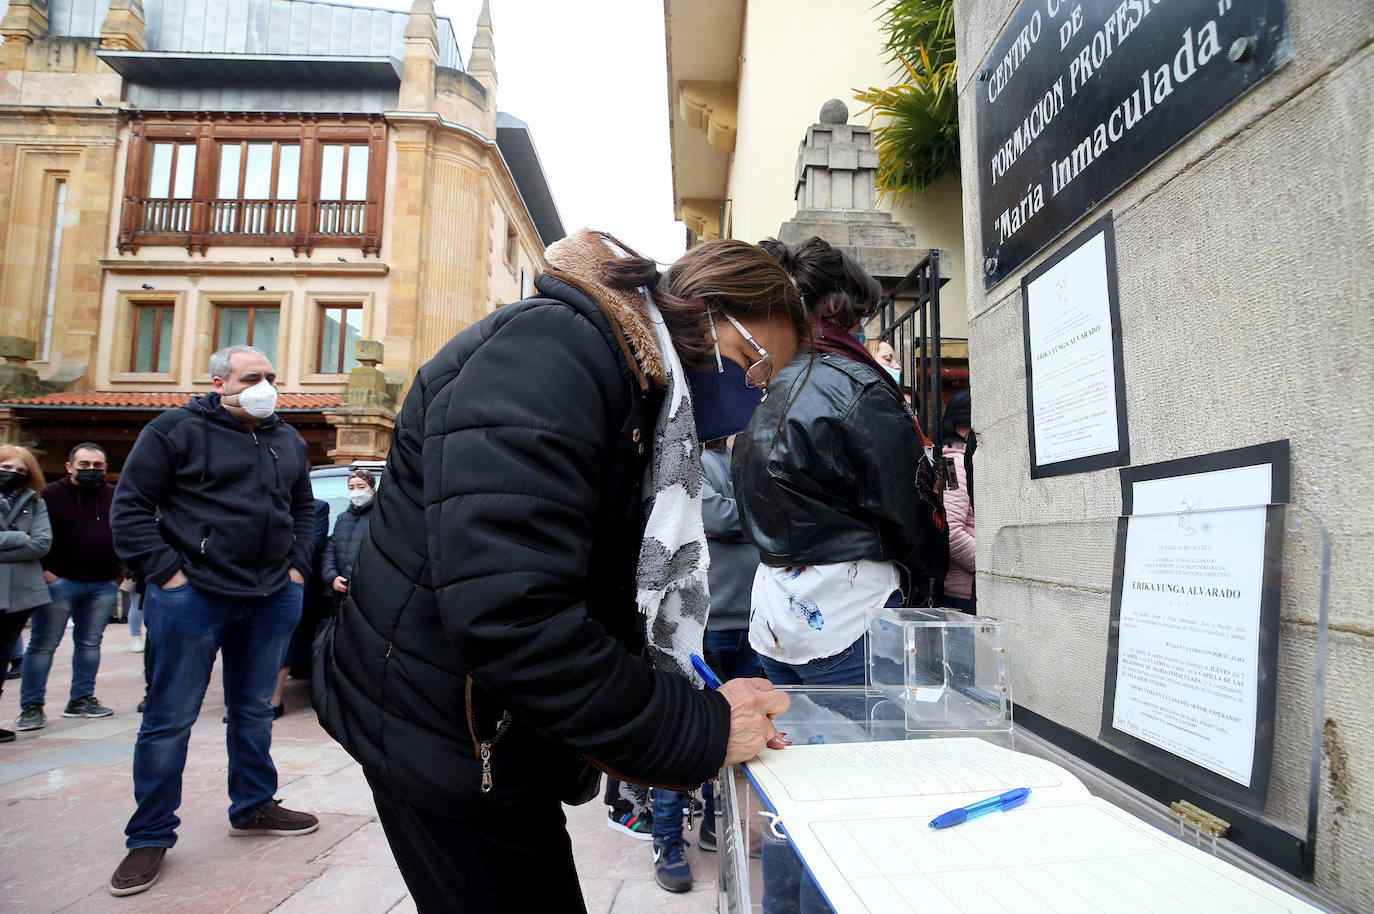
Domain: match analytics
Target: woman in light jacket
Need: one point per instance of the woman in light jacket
(25, 537)
(959, 505)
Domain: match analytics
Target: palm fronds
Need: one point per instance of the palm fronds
(919, 141)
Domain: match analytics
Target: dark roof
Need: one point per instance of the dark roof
(517, 148)
(180, 68)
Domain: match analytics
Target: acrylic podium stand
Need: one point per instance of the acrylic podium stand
(931, 673)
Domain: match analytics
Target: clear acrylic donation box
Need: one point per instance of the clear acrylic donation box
(931, 673)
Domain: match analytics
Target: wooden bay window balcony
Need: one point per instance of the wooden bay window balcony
(276, 180)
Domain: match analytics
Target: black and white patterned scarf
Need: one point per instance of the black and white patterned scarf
(673, 559)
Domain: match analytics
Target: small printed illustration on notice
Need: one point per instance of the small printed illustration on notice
(1189, 505)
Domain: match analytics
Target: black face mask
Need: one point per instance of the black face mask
(10, 481)
(90, 477)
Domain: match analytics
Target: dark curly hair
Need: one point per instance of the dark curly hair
(832, 284)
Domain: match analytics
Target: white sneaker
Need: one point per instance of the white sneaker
(136, 645)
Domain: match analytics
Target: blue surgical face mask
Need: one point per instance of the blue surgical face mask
(860, 336)
(895, 372)
(722, 401)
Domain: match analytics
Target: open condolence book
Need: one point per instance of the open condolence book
(859, 814)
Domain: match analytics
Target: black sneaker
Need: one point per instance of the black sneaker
(86, 707)
(622, 818)
(671, 869)
(706, 835)
(31, 718)
(6, 736)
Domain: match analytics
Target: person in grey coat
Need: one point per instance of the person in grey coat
(25, 537)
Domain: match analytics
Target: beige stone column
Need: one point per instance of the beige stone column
(365, 423)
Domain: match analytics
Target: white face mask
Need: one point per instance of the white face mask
(360, 497)
(259, 401)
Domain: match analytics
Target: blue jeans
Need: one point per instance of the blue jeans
(668, 812)
(186, 627)
(844, 668)
(136, 614)
(89, 604)
(733, 656)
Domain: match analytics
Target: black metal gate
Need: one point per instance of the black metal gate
(915, 336)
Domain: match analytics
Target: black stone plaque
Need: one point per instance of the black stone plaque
(1079, 96)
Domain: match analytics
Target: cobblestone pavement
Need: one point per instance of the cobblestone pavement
(66, 793)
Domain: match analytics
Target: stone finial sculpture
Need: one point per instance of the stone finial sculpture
(836, 164)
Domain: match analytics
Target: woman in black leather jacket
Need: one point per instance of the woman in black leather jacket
(826, 482)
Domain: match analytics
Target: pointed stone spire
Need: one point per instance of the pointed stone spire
(25, 21)
(423, 25)
(124, 27)
(483, 57)
(421, 58)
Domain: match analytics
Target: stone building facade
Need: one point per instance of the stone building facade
(178, 175)
(1243, 275)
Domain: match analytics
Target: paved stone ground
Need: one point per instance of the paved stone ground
(66, 793)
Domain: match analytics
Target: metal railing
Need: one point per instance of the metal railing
(165, 215)
(253, 217)
(340, 217)
(202, 220)
(915, 336)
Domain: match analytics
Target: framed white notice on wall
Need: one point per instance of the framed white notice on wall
(1192, 649)
(1075, 388)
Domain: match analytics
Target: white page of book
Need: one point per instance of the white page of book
(859, 813)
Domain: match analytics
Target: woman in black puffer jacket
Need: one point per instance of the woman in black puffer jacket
(349, 531)
(491, 647)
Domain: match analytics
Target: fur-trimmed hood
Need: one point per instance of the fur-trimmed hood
(581, 259)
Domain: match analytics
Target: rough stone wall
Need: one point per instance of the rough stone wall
(1244, 270)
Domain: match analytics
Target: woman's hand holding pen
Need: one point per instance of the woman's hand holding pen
(753, 705)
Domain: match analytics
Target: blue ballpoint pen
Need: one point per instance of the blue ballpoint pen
(992, 804)
(705, 672)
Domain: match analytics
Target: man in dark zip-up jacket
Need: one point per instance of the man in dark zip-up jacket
(214, 510)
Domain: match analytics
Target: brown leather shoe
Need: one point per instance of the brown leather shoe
(138, 871)
(275, 819)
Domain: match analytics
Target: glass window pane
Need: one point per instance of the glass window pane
(331, 172)
(144, 321)
(186, 172)
(265, 332)
(357, 174)
(257, 176)
(164, 349)
(160, 171)
(233, 327)
(329, 340)
(230, 154)
(353, 331)
(288, 172)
